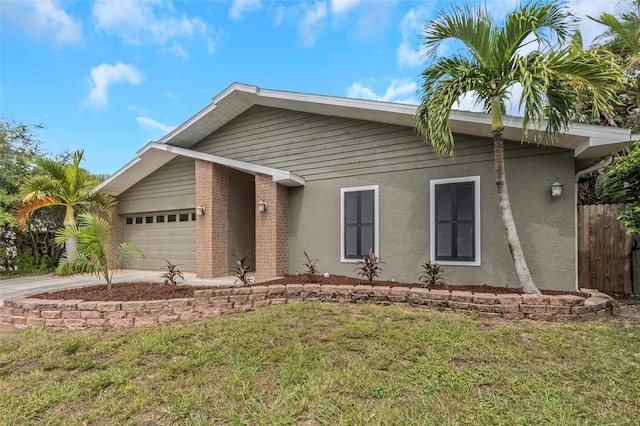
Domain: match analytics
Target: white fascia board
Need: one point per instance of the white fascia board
(184, 126)
(281, 176)
(108, 181)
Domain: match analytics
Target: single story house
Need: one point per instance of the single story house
(273, 174)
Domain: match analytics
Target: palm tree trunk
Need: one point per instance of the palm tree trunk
(71, 244)
(526, 281)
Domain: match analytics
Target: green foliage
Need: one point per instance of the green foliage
(64, 184)
(171, 275)
(312, 268)
(243, 270)
(19, 150)
(369, 266)
(621, 184)
(432, 274)
(92, 235)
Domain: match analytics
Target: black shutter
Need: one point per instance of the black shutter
(455, 221)
(359, 225)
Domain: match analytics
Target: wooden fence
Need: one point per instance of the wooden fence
(606, 259)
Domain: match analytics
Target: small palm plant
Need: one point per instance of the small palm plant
(92, 235)
(432, 274)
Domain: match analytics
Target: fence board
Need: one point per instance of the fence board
(604, 250)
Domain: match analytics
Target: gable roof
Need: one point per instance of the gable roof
(589, 143)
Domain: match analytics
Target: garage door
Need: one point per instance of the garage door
(162, 236)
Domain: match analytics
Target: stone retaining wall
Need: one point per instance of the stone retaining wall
(209, 303)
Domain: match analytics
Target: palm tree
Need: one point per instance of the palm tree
(92, 235)
(490, 62)
(62, 184)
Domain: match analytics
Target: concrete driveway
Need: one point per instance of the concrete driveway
(21, 286)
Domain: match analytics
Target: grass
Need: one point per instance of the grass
(322, 364)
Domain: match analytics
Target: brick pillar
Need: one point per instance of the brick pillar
(212, 229)
(272, 229)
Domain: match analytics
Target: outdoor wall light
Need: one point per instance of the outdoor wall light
(262, 206)
(199, 211)
(556, 188)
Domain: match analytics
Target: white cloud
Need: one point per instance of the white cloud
(145, 23)
(44, 20)
(104, 75)
(340, 6)
(178, 50)
(151, 124)
(240, 7)
(399, 91)
(311, 23)
(408, 52)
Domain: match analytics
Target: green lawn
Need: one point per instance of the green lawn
(326, 364)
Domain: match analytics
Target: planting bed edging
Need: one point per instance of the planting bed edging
(209, 303)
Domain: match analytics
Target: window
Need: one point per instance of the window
(455, 221)
(148, 219)
(184, 217)
(128, 221)
(193, 216)
(358, 222)
(138, 220)
(159, 219)
(171, 218)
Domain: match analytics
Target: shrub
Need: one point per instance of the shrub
(432, 274)
(312, 269)
(369, 266)
(243, 271)
(171, 275)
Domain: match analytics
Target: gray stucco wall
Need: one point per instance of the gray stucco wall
(545, 225)
(242, 219)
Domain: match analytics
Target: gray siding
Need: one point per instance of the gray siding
(168, 188)
(323, 147)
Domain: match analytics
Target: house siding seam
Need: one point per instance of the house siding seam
(272, 229)
(212, 229)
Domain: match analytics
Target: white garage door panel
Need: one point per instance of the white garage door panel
(162, 240)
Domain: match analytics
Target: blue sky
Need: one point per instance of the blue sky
(109, 76)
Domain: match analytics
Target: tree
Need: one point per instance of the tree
(622, 37)
(621, 184)
(29, 249)
(491, 61)
(62, 184)
(92, 235)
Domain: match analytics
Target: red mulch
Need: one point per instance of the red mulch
(155, 291)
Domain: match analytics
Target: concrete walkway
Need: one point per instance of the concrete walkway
(43, 283)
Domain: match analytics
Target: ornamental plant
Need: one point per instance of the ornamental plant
(243, 270)
(312, 268)
(432, 274)
(369, 266)
(171, 275)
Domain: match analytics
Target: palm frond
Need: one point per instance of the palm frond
(24, 211)
(470, 25)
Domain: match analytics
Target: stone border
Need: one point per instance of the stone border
(210, 303)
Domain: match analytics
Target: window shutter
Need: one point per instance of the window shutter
(359, 223)
(455, 221)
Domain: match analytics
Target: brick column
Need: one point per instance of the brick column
(212, 229)
(272, 229)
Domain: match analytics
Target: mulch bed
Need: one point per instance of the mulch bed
(154, 291)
